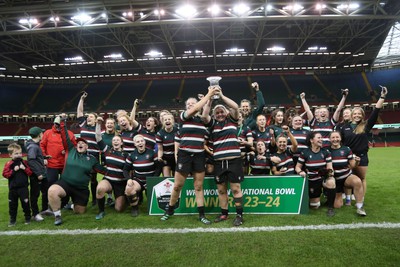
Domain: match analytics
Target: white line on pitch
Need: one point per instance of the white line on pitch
(204, 230)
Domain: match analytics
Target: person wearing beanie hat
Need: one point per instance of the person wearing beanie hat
(38, 181)
(35, 131)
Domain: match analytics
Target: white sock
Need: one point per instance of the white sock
(359, 205)
(57, 213)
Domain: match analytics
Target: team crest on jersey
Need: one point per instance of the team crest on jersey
(147, 156)
(88, 158)
(310, 156)
(342, 153)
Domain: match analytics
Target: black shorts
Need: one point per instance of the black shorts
(118, 187)
(142, 182)
(228, 171)
(169, 161)
(190, 162)
(340, 185)
(315, 188)
(79, 196)
(363, 159)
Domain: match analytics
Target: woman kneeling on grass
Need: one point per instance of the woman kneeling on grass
(343, 162)
(74, 181)
(114, 180)
(227, 156)
(141, 162)
(286, 165)
(315, 158)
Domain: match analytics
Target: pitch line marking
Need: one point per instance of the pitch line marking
(203, 230)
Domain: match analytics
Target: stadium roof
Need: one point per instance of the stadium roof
(84, 39)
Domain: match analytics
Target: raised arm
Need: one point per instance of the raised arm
(381, 99)
(260, 100)
(232, 105)
(293, 140)
(98, 129)
(340, 106)
(134, 109)
(67, 143)
(205, 116)
(79, 111)
(132, 116)
(306, 107)
(212, 90)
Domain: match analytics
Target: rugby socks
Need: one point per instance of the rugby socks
(101, 202)
(359, 205)
(170, 209)
(57, 213)
(224, 212)
(201, 211)
(239, 205)
(331, 194)
(348, 197)
(93, 186)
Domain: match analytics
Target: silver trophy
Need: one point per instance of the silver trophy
(214, 80)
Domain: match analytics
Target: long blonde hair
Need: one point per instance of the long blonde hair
(360, 128)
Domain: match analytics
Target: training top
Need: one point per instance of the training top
(358, 143)
(314, 161)
(340, 161)
(191, 134)
(78, 166)
(250, 121)
(223, 136)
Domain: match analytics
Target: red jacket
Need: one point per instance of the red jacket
(52, 145)
(17, 179)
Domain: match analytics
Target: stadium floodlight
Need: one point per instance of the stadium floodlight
(55, 19)
(3, 68)
(186, 11)
(113, 56)
(153, 53)
(276, 48)
(214, 10)
(350, 6)
(77, 58)
(235, 50)
(293, 7)
(269, 7)
(82, 18)
(127, 14)
(104, 15)
(28, 21)
(320, 6)
(159, 12)
(241, 8)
